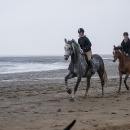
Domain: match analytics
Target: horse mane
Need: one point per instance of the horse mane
(76, 45)
(75, 42)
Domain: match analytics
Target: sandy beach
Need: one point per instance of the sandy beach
(38, 101)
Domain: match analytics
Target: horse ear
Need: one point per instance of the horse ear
(73, 40)
(65, 40)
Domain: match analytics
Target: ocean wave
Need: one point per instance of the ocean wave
(33, 64)
(30, 67)
(107, 58)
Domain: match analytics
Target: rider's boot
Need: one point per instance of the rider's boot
(91, 67)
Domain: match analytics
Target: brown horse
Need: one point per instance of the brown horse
(124, 65)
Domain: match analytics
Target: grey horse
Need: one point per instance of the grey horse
(79, 68)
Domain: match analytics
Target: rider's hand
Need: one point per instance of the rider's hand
(126, 54)
(81, 51)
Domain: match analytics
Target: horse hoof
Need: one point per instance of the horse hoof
(127, 88)
(71, 100)
(69, 91)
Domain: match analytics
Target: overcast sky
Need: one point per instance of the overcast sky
(38, 27)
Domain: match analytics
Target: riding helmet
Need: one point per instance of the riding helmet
(80, 30)
(125, 34)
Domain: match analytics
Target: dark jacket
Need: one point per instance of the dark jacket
(84, 43)
(126, 46)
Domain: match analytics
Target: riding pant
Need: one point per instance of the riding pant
(89, 55)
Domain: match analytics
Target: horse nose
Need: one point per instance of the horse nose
(65, 57)
(113, 60)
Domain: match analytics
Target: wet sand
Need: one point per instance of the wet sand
(38, 101)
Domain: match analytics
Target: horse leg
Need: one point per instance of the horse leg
(88, 86)
(126, 77)
(120, 82)
(69, 76)
(75, 88)
(102, 81)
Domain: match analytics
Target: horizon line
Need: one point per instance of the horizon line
(37, 55)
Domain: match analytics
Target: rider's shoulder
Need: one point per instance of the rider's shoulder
(124, 41)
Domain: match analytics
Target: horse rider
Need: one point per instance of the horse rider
(126, 44)
(85, 45)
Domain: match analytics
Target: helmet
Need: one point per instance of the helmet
(80, 30)
(125, 34)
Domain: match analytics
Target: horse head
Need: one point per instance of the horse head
(116, 52)
(70, 48)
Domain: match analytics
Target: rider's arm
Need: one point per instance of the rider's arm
(79, 43)
(80, 46)
(129, 48)
(87, 44)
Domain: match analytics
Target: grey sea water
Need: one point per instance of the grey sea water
(39, 63)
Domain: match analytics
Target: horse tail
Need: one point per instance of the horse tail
(105, 76)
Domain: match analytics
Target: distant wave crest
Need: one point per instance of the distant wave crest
(30, 67)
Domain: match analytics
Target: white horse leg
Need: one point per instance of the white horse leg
(69, 76)
(75, 88)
